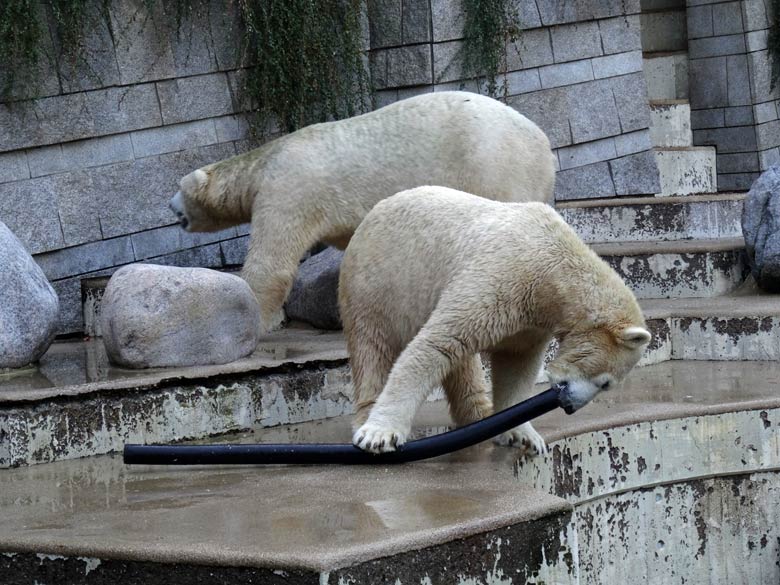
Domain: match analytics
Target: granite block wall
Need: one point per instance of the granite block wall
(576, 71)
(732, 105)
(92, 150)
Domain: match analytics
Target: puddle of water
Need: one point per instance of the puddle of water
(70, 363)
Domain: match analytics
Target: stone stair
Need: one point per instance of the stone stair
(705, 403)
(684, 168)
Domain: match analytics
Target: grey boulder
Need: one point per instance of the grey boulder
(314, 295)
(154, 316)
(761, 229)
(29, 307)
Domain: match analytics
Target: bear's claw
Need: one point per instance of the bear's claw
(525, 438)
(377, 439)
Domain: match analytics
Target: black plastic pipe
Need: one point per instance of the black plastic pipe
(345, 454)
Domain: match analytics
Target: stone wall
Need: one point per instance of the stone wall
(90, 154)
(576, 71)
(732, 105)
(88, 164)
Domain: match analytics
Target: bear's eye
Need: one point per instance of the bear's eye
(605, 385)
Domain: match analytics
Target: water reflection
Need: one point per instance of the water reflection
(70, 363)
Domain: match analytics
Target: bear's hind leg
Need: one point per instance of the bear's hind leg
(371, 358)
(514, 373)
(467, 392)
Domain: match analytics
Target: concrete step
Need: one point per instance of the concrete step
(666, 75)
(678, 269)
(478, 516)
(687, 170)
(639, 219)
(670, 123)
(732, 327)
(75, 404)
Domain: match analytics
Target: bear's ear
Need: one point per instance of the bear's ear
(201, 178)
(195, 181)
(635, 337)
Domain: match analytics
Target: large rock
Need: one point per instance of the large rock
(29, 307)
(761, 229)
(314, 296)
(155, 316)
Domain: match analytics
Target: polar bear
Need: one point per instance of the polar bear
(317, 184)
(434, 276)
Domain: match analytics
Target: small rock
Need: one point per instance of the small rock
(29, 307)
(314, 297)
(761, 229)
(153, 316)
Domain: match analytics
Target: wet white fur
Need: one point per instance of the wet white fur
(434, 276)
(318, 183)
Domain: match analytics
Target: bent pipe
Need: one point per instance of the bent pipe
(345, 454)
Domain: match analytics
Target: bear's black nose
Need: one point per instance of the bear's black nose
(184, 221)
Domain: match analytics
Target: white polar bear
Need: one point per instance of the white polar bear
(434, 276)
(317, 184)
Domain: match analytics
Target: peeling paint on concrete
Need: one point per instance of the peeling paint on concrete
(717, 531)
(694, 218)
(710, 338)
(74, 427)
(600, 463)
(681, 275)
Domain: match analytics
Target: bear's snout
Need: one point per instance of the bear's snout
(177, 207)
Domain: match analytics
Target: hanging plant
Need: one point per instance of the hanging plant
(302, 59)
(490, 27)
(305, 61)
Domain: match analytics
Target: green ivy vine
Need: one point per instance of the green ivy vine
(303, 60)
(490, 27)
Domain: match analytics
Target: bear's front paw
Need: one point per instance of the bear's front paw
(525, 438)
(376, 438)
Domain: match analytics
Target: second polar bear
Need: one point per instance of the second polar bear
(434, 276)
(317, 184)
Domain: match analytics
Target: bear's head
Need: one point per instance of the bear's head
(593, 359)
(197, 204)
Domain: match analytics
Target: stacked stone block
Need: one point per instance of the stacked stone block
(91, 153)
(576, 70)
(733, 106)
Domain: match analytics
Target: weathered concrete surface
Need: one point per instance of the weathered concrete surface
(670, 123)
(697, 217)
(694, 500)
(92, 517)
(156, 316)
(460, 519)
(687, 171)
(45, 423)
(666, 75)
(684, 268)
(713, 531)
(733, 327)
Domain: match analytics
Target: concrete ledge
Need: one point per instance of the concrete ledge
(723, 328)
(457, 519)
(687, 268)
(641, 219)
(307, 379)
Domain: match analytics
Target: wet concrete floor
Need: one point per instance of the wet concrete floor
(321, 517)
(81, 366)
